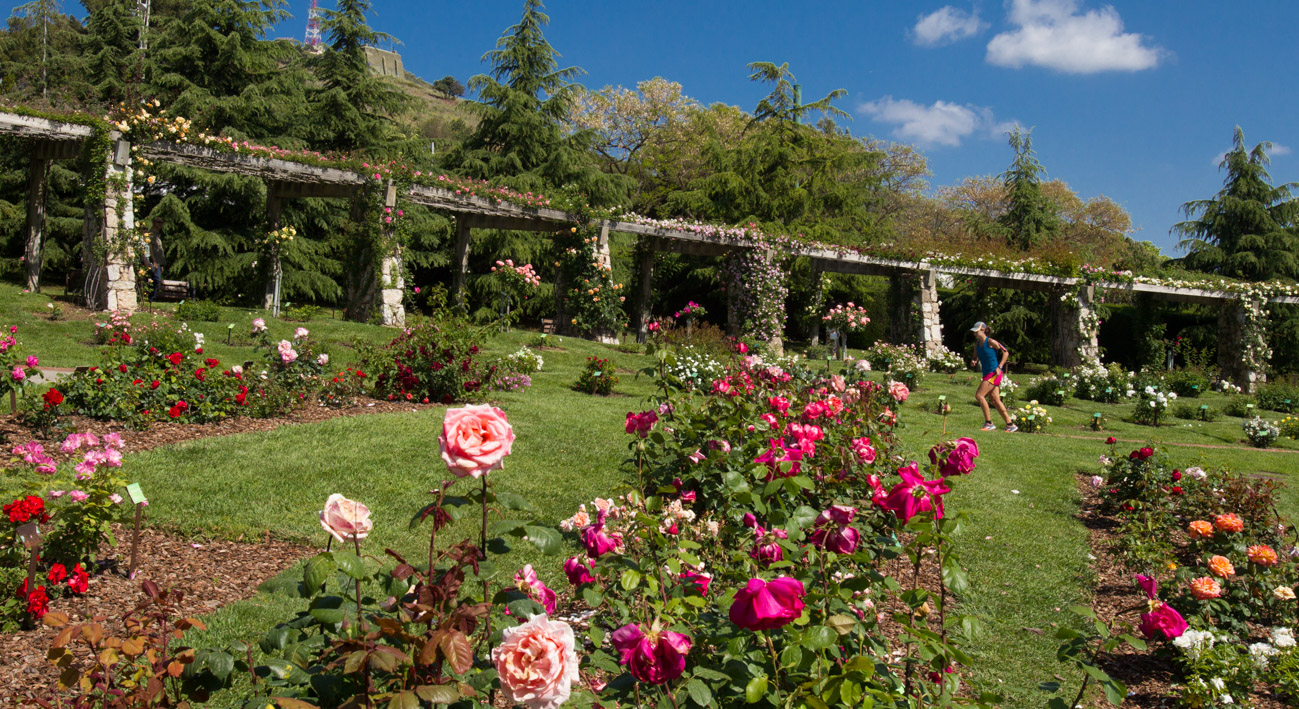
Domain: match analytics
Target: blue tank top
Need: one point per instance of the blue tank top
(987, 356)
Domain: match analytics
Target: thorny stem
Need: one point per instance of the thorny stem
(775, 666)
(942, 586)
(668, 691)
(482, 553)
(432, 540)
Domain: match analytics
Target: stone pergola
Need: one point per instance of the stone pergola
(110, 284)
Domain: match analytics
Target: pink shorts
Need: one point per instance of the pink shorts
(995, 378)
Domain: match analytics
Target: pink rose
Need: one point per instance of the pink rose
(837, 383)
(71, 443)
(766, 547)
(526, 580)
(915, 495)
(78, 496)
(536, 663)
(832, 530)
(475, 440)
(763, 605)
(598, 543)
(865, 452)
(300, 333)
(641, 424)
(32, 361)
(1162, 618)
(579, 571)
(958, 459)
(19, 374)
(899, 391)
(656, 657)
(700, 580)
(1147, 584)
(345, 519)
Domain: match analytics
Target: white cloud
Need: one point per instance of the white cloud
(942, 123)
(945, 25)
(1055, 34)
(1277, 150)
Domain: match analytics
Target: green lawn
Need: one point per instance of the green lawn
(1026, 550)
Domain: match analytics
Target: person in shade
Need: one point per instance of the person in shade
(991, 359)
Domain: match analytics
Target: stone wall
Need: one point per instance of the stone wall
(384, 63)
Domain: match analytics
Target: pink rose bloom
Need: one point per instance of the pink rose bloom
(85, 470)
(779, 403)
(116, 498)
(32, 361)
(19, 374)
(71, 443)
(957, 460)
(475, 440)
(536, 663)
(47, 468)
(579, 571)
(641, 424)
(1097, 481)
(526, 580)
(90, 439)
(763, 605)
(688, 496)
(58, 493)
(300, 333)
(323, 359)
(862, 447)
(112, 458)
(1147, 584)
(598, 543)
(1162, 618)
(656, 657)
(832, 532)
(345, 519)
(915, 495)
(723, 446)
(837, 383)
(899, 391)
(78, 496)
(766, 548)
(696, 457)
(113, 439)
(699, 579)
(814, 410)
(259, 325)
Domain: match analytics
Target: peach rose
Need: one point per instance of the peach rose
(1199, 529)
(1228, 523)
(475, 440)
(345, 519)
(1205, 587)
(536, 663)
(1221, 566)
(1261, 554)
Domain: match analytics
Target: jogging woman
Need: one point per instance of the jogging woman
(991, 359)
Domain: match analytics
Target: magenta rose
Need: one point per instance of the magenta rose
(1149, 585)
(1162, 619)
(915, 495)
(579, 571)
(598, 543)
(526, 581)
(475, 440)
(700, 580)
(958, 459)
(766, 547)
(763, 605)
(832, 531)
(345, 519)
(537, 663)
(641, 424)
(656, 657)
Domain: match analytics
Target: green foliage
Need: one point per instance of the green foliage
(599, 377)
(1280, 397)
(1245, 231)
(1051, 390)
(1241, 407)
(198, 311)
(1187, 383)
(1030, 219)
(300, 313)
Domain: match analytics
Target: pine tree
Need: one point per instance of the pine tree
(1248, 229)
(38, 55)
(111, 58)
(1030, 217)
(522, 104)
(351, 110)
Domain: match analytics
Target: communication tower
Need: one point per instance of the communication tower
(313, 27)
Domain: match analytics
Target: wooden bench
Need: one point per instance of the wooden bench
(172, 290)
(547, 326)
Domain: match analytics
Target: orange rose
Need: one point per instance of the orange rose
(1221, 566)
(1261, 554)
(1200, 529)
(1228, 523)
(1205, 588)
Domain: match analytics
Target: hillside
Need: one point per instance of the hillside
(436, 119)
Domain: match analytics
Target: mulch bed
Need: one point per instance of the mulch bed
(211, 574)
(1149, 677)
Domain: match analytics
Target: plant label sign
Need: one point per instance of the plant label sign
(136, 494)
(30, 535)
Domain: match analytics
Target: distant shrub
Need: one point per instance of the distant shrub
(599, 376)
(198, 311)
(1279, 397)
(300, 313)
(1187, 383)
(1240, 407)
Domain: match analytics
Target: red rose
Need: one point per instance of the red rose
(211, 362)
(38, 604)
(174, 412)
(1177, 475)
(53, 397)
(57, 574)
(121, 368)
(137, 382)
(80, 580)
(175, 358)
(1176, 490)
(200, 374)
(1111, 440)
(198, 350)
(155, 384)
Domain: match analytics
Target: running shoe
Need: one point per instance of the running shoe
(1012, 428)
(989, 427)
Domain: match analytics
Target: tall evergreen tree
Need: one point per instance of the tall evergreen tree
(522, 104)
(38, 55)
(1030, 218)
(111, 57)
(352, 108)
(1248, 230)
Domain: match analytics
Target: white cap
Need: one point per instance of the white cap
(979, 326)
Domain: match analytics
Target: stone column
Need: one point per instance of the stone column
(914, 310)
(646, 250)
(392, 282)
(109, 260)
(1073, 336)
(37, 188)
(602, 252)
(1242, 349)
(460, 264)
(274, 212)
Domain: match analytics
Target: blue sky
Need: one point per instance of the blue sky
(1133, 100)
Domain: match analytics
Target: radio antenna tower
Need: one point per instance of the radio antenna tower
(313, 27)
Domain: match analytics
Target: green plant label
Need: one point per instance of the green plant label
(1204, 407)
(136, 494)
(1096, 415)
(943, 398)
